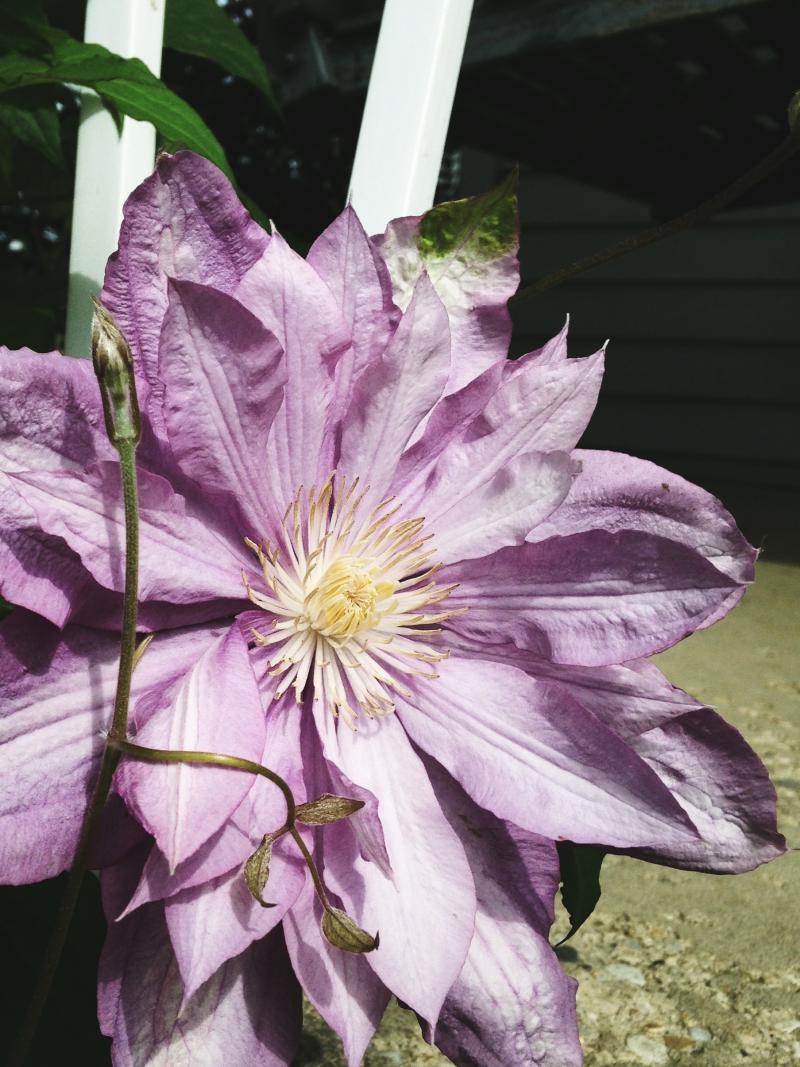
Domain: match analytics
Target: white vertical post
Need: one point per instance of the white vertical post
(108, 165)
(407, 112)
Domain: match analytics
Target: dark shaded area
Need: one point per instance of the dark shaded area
(68, 1031)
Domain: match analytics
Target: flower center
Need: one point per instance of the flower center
(349, 595)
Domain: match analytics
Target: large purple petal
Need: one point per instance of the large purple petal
(298, 308)
(345, 259)
(478, 501)
(529, 753)
(185, 221)
(342, 987)
(511, 1004)
(223, 378)
(394, 394)
(723, 786)
(57, 695)
(182, 558)
(425, 911)
(591, 598)
(618, 492)
(50, 419)
(215, 707)
(248, 1012)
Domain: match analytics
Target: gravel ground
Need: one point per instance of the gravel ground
(678, 968)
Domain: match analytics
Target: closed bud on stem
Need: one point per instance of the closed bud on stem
(256, 870)
(342, 932)
(327, 809)
(113, 365)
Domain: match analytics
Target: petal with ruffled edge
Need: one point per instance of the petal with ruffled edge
(722, 785)
(185, 221)
(618, 492)
(591, 598)
(50, 419)
(425, 911)
(215, 707)
(223, 384)
(248, 1012)
(523, 407)
(181, 559)
(530, 753)
(345, 259)
(298, 308)
(58, 692)
(512, 1004)
(395, 393)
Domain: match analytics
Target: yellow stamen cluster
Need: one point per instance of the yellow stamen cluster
(349, 597)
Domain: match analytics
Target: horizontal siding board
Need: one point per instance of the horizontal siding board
(664, 425)
(761, 372)
(705, 312)
(711, 254)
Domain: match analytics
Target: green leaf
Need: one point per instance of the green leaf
(126, 84)
(580, 882)
(5, 608)
(201, 28)
(476, 230)
(30, 116)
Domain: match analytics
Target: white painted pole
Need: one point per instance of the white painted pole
(108, 166)
(407, 111)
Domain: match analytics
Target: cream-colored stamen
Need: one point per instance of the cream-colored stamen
(348, 595)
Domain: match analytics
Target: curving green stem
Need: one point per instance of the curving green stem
(211, 759)
(110, 758)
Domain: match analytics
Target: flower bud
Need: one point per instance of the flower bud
(342, 932)
(256, 870)
(113, 365)
(327, 809)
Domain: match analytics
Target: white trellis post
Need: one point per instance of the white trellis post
(409, 101)
(397, 161)
(108, 165)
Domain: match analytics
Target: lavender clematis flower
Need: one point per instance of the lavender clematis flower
(374, 560)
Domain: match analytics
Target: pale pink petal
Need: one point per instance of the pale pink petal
(342, 987)
(592, 598)
(223, 380)
(479, 502)
(425, 911)
(185, 221)
(182, 558)
(618, 492)
(358, 279)
(57, 695)
(214, 708)
(248, 1012)
(214, 922)
(530, 753)
(394, 394)
(298, 308)
(511, 1004)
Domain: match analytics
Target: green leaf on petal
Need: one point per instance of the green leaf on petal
(201, 28)
(580, 882)
(342, 932)
(473, 231)
(256, 870)
(327, 809)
